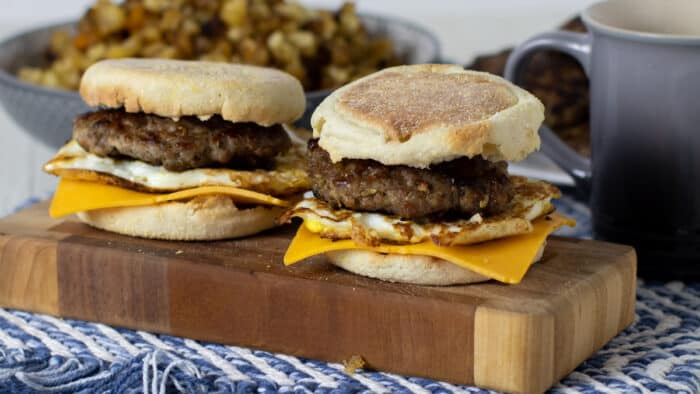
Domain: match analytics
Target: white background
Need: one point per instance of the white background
(464, 27)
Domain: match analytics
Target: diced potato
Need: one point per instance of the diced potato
(60, 41)
(234, 12)
(349, 22)
(30, 74)
(109, 17)
(136, 18)
(96, 52)
(171, 19)
(156, 5)
(253, 52)
(150, 34)
(304, 41)
(50, 79)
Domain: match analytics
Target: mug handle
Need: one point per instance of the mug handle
(578, 46)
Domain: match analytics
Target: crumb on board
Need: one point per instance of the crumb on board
(353, 364)
(179, 252)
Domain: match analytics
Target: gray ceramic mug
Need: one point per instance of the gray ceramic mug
(642, 58)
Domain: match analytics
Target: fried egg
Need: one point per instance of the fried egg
(73, 162)
(531, 199)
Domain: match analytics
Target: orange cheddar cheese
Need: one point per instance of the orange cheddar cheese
(505, 260)
(75, 196)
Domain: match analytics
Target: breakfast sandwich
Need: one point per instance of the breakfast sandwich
(410, 182)
(181, 150)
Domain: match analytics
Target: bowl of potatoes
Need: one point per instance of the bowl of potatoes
(40, 70)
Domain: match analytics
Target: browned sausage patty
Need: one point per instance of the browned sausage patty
(178, 145)
(461, 187)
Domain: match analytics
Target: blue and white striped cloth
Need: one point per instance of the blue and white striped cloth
(659, 353)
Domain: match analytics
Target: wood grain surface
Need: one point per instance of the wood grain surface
(516, 338)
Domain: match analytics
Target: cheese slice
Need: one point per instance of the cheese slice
(505, 260)
(76, 196)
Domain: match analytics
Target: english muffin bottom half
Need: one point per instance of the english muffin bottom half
(182, 150)
(409, 179)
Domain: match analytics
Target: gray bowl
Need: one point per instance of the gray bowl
(47, 114)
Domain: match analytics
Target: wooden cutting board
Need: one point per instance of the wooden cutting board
(517, 338)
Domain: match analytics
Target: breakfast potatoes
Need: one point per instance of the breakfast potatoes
(323, 49)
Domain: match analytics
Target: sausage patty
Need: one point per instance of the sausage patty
(178, 145)
(462, 186)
